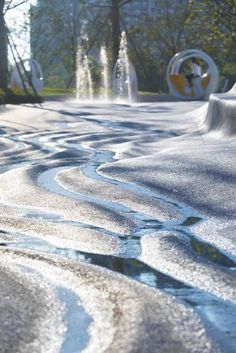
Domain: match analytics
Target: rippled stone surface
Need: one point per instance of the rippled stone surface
(98, 204)
(126, 317)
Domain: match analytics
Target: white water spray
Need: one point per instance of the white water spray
(124, 80)
(84, 86)
(104, 73)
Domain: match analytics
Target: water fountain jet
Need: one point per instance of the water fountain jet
(84, 85)
(124, 78)
(104, 73)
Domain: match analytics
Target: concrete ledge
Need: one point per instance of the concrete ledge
(221, 113)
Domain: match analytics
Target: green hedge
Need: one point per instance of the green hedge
(50, 91)
(16, 96)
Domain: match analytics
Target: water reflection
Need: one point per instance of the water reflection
(211, 253)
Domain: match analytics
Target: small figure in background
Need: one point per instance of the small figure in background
(196, 71)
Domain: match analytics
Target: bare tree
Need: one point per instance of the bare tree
(113, 8)
(58, 25)
(5, 6)
(3, 48)
(56, 28)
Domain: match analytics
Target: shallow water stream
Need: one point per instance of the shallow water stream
(47, 155)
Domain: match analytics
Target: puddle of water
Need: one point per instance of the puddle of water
(135, 269)
(43, 215)
(219, 316)
(146, 223)
(211, 253)
(190, 221)
(130, 267)
(47, 180)
(77, 321)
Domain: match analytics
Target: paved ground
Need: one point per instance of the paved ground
(117, 229)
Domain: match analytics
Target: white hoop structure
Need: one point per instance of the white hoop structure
(35, 76)
(202, 87)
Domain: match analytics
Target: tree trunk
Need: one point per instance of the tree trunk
(3, 53)
(115, 23)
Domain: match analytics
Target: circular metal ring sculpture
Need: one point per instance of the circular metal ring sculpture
(27, 74)
(202, 86)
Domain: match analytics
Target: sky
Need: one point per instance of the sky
(16, 18)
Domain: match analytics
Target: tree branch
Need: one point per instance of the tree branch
(12, 5)
(125, 2)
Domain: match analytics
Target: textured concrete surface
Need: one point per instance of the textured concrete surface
(130, 188)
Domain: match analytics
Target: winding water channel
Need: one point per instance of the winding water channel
(48, 157)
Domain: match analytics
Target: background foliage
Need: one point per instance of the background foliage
(57, 26)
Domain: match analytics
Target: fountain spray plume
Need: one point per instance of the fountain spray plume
(89, 77)
(124, 49)
(124, 80)
(84, 86)
(105, 73)
(121, 67)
